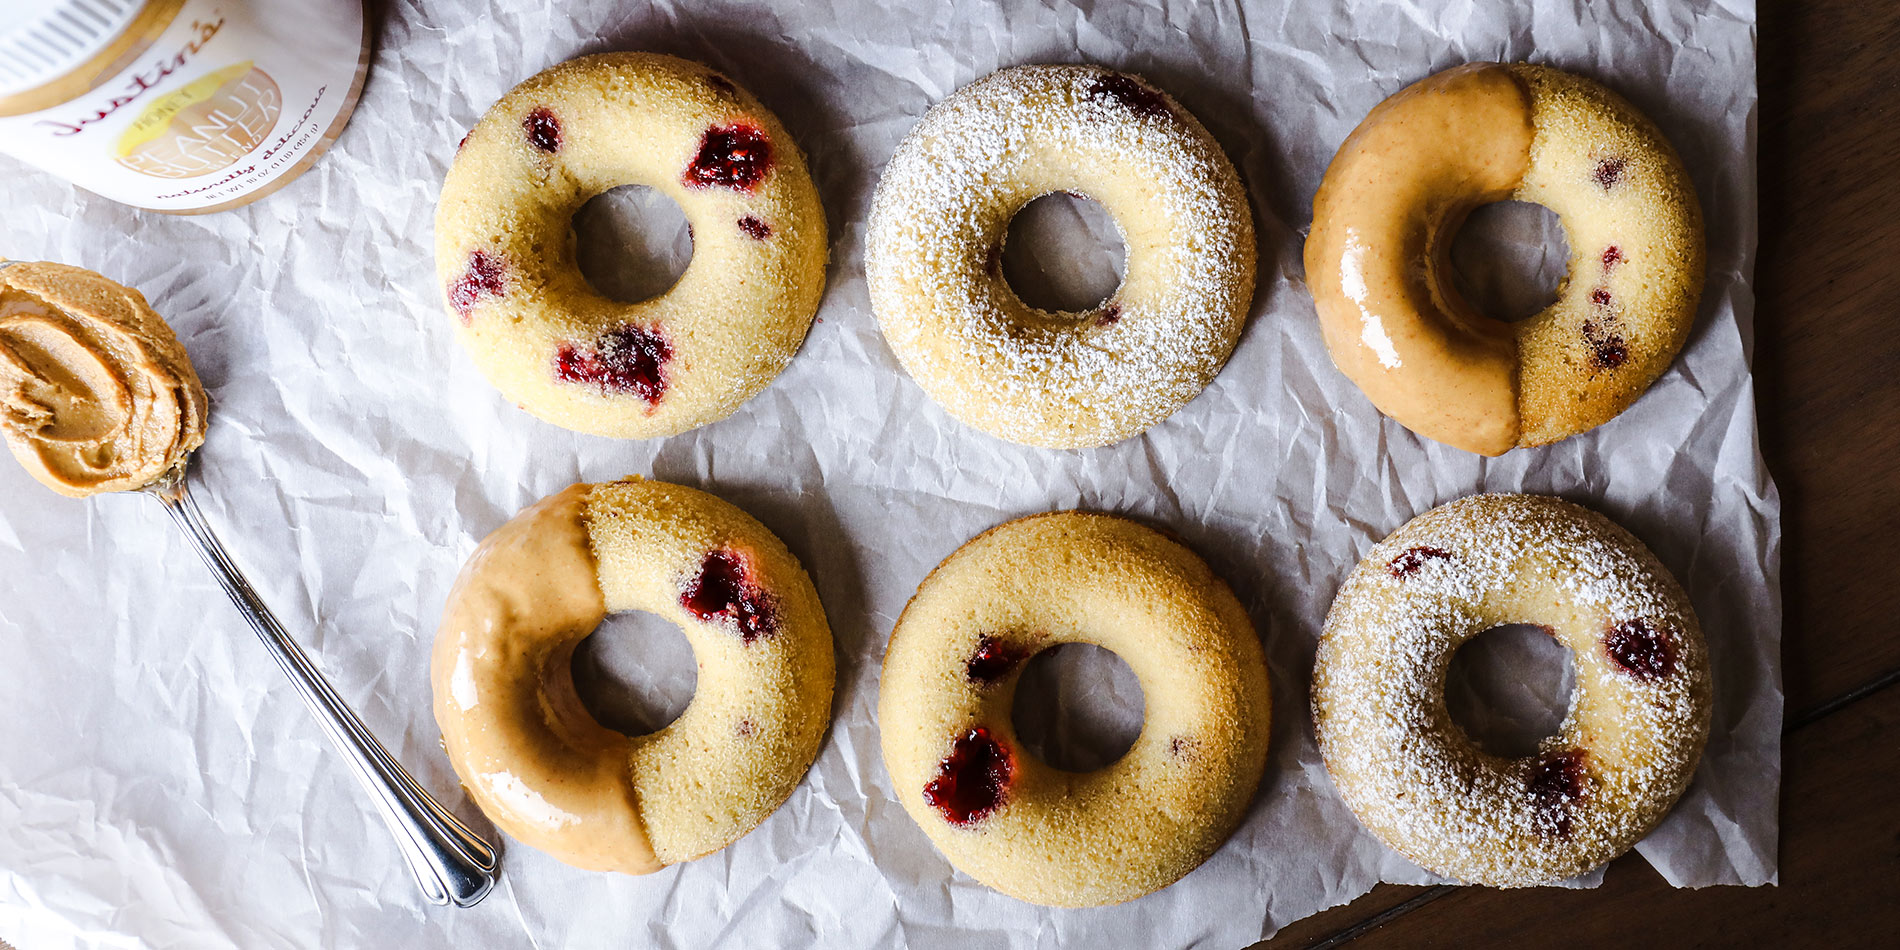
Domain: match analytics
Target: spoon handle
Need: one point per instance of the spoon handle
(450, 862)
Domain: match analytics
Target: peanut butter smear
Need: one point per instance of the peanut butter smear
(96, 394)
(540, 766)
(1376, 259)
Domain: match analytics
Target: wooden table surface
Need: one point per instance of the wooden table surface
(1828, 381)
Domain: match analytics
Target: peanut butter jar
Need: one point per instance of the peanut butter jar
(182, 106)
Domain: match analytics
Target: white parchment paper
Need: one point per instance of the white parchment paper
(160, 786)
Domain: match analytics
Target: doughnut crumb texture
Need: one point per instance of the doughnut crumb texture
(1637, 256)
(1060, 379)
(1628, 745)
(505, 245)
(1012, 821)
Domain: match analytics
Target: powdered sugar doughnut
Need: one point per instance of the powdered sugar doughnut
(1012, 821)
(1060, 380)
(1627, 747)
(505, 245)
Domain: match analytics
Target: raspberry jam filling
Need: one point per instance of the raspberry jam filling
(1608, 172)
(992, 661)
(1132, 95)
(1555, 781)
(1110, 315)
(626, 359)
(1641, 650)
(1612, 256)
(1607, 349)
(758, 229)
(973, 779)
(543, 129)
(486, 277)
(733, 156)
(1408, 562)
(724, 590)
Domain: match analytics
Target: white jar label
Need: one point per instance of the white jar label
(233, 96)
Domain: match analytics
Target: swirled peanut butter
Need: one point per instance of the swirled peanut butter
(1383, 221)
(96, 394)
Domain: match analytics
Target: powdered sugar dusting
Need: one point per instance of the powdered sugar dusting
(1418, 782)
(1063, 380)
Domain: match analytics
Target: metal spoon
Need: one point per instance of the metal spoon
(450, 862)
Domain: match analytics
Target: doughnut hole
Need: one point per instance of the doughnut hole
(632, 243)
(1510, 687)
(1509, 258)
(635, 673)
(1078, 707)
(1063, 253)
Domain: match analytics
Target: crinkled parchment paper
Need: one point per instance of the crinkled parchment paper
(160, 786)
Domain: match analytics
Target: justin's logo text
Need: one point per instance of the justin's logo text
(143, 81)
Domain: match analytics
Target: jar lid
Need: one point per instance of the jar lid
(44, 40)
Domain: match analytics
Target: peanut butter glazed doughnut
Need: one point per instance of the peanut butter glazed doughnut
(1396, 194)
(505, 245)
(1013, 822)
(96, 394)
(550, 775)
(1060, 380)
(1627, 748)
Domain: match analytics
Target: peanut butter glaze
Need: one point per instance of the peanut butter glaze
(536, 762)
(96, 394)
(1383, 221)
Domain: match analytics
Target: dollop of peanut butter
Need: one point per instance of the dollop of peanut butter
(96, 394)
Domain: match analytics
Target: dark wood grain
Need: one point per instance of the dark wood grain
(1828, 370)
(1384, 901)
(1828, 383)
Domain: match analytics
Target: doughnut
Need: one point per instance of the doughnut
(933, 256)
(1013, 822)
(549, 774)
(1626, 749)
(504, 245)
(1396, 194)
